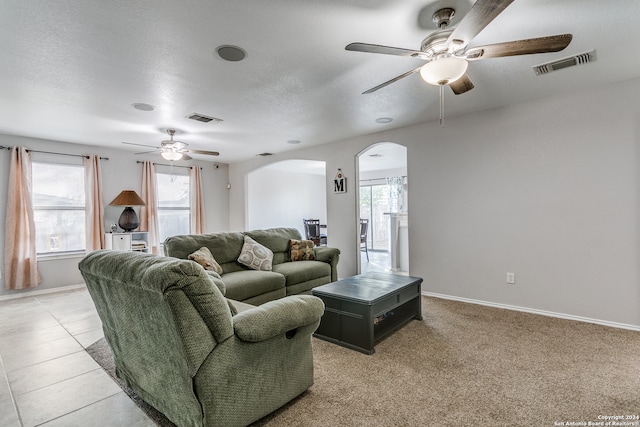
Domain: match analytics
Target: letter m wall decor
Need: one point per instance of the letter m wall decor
(340, 183)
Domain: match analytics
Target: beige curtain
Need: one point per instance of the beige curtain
(94, 203)
(149, 213)
(198, 225)
(20, 260)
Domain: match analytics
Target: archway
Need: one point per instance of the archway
(382, 201)
(281, 194)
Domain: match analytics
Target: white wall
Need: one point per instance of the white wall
(120, 172)
(548, 190)
(283, 199)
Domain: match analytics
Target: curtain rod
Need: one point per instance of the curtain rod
(2, 147)
(163, 164)
(383, 178)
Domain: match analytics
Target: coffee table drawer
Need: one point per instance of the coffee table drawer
(343, 328)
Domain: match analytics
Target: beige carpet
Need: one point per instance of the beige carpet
(469, 365)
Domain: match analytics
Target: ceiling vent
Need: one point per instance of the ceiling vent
(265, 154)
(204, 119)
(579, 59)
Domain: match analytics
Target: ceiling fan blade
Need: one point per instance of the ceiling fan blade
(147, 152)
(520, 47)
(185, 156)
(209, 153)
(140, 145)
(462, 85)
(480, 15)
(393, 80)
(386, 50)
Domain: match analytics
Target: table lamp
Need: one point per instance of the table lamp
(128, 219)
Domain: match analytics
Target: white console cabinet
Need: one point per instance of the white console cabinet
(134, 241)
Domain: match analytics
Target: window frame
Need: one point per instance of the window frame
(175, 207)
(53, 208)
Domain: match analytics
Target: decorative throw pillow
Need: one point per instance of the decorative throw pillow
(255, 256)
(204, 257)
(301, 250)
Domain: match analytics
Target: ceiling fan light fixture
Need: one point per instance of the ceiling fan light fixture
(443, 70)
(171, 155)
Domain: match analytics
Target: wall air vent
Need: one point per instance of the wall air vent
(265, 154)
(204, 119)
(579, 59)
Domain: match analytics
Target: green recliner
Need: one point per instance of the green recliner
(177, 345)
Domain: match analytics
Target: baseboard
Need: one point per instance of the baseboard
(535, 311)
(36, 292)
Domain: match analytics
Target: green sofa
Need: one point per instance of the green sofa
(257, 287)
(177, 345)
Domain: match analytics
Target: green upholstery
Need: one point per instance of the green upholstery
(261, 282)
(257, 287)
(176, 344)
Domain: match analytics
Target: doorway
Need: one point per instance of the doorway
(272, 203)
(383, 204)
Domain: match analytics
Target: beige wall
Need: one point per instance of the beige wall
(547, 190)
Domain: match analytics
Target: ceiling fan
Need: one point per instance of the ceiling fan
(446, 50)
(174, 150)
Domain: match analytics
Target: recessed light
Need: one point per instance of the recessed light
(384, 120)
(293, 141)
(231, 53)
(143, 107)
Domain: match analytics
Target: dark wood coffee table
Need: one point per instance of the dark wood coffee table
(362, 310)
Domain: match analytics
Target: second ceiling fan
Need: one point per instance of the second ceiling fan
(446, 51)
(174, 150)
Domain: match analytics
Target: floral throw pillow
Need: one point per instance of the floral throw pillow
(301, 250)
(255, 256)
(204, 257)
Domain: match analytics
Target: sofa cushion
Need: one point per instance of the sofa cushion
(245, 284)
(276, 239)
(255, 256)
(225, 246)
(203, 257)
(301, 271)
(301, 250)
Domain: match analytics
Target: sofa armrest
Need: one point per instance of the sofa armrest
(277, 317)
(330, 256)
(325, 253)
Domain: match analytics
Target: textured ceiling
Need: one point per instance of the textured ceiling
(71, 69)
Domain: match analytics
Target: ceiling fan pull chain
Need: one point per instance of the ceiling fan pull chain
(442, 105)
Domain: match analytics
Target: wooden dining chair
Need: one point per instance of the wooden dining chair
(312, 232)
(364, 229)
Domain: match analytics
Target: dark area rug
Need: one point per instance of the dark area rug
(101, 353)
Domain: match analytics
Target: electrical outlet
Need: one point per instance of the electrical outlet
(511, 278)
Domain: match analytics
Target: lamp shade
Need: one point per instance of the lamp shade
(443, 71)
(127, 198)
(128, 220)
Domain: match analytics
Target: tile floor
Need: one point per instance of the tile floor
(46, 377)
(379, 261)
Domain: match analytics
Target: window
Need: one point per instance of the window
(173, 205)
(59, 207)
(374, 202)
